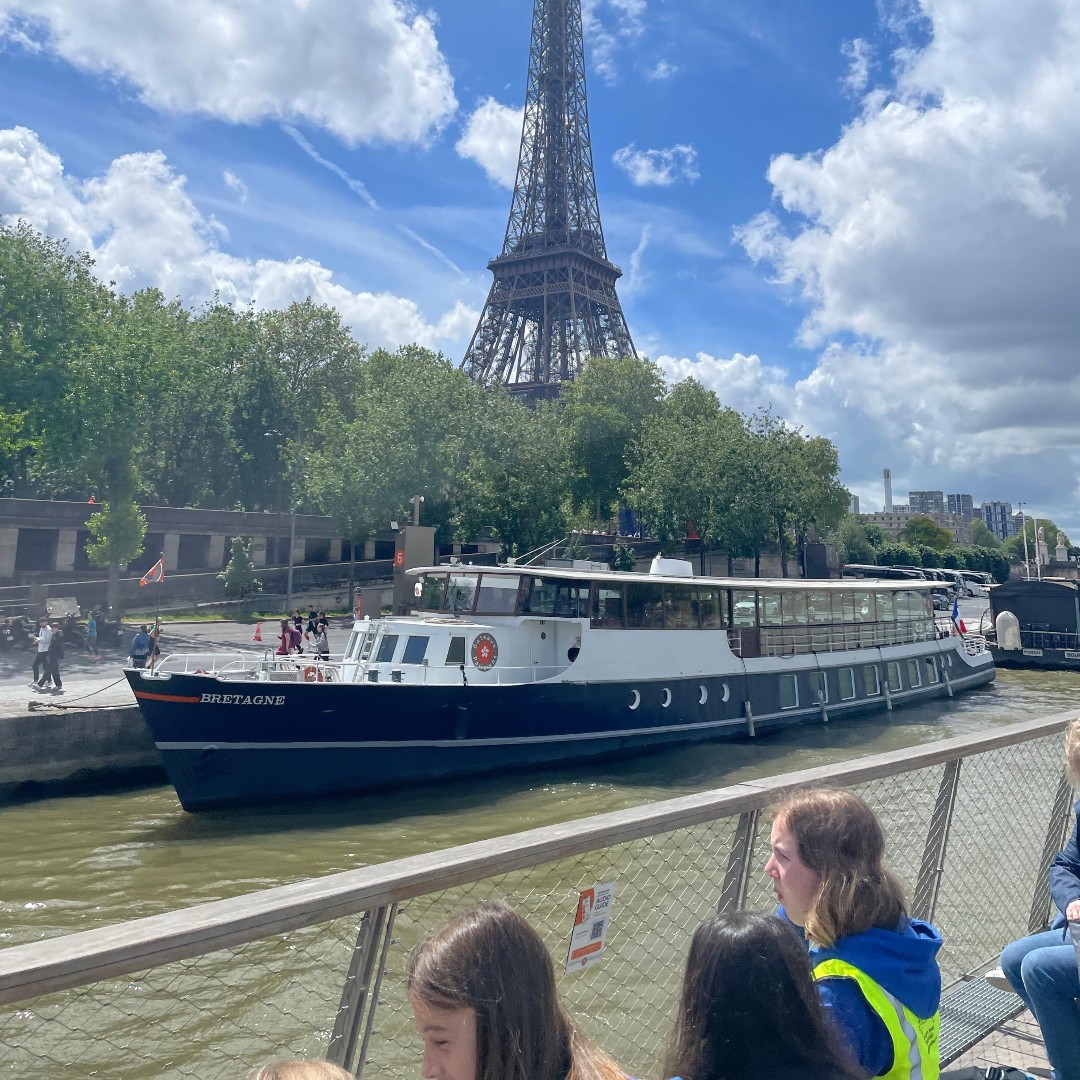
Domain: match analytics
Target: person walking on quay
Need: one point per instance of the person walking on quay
(284, 639)
(91, 637)
(155, 649)
(322, 642)
(1042, 968)
(140, 648)
(53, 658)
(41, 656)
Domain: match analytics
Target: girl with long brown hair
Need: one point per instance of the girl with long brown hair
(482, 989)
(875, 967)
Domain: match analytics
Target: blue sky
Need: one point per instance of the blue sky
(859, 212)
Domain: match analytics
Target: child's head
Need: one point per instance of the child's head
(748, 1001)
(482, 988)
(1072, 749)
(300, 1069)
(837, 837)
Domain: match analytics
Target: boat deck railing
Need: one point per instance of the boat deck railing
(316, 968)
(837, 637)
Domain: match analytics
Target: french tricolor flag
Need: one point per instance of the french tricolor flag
(957, 621)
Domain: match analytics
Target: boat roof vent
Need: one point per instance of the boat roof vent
(662, 567)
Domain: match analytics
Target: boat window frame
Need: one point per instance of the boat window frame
(594, 602)
(383, 639)
(867, 691)
(819, 685)
(892, 667)
(515, 591)
(454, 639)
(850, 673)
(410, 649)
(783, 681)
(914, 672)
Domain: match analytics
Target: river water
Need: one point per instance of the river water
(76, 863)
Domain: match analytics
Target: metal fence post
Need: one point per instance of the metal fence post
(924, 900)
(355, 993)
(737, 873)
(1055, 840)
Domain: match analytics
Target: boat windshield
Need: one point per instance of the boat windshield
(459, 593)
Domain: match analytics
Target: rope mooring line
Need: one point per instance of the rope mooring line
(37, 705)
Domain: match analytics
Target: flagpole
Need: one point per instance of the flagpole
(157, 610)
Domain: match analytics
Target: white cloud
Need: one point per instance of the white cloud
(368, 71)
(142, 228)
(859, 53)
(234, 183)
(934, 245)
(661, 70)
(610, 25)
(658, 167)
(491, 138)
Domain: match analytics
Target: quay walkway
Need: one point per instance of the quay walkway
(316, 968)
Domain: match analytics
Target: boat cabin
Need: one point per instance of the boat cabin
(1047, 612)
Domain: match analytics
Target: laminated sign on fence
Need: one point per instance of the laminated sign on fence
(590, 926)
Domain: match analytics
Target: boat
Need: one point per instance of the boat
(508, 667)
(1035, 624)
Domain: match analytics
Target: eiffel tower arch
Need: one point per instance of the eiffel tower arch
(552, 303)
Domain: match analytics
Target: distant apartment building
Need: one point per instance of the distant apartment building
(963, 505)
(926, 502)
(892, 523)
(998, 518)
(854, 507)
(887, 477)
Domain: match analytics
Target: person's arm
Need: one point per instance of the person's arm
(860, 1028)
(1065, 877)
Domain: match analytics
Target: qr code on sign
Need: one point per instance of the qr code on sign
(597, 931)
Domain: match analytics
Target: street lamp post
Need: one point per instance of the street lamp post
(273, 433)
(1023, 529)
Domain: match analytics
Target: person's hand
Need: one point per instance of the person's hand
(1072, 912)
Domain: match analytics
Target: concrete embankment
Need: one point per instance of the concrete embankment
(53, 753)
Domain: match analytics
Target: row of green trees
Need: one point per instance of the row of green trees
(137, 399)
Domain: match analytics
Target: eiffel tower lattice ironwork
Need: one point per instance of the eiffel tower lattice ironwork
(552, 304)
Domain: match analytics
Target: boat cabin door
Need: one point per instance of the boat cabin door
(543, 646)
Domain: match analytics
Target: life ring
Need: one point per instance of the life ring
(312, 674)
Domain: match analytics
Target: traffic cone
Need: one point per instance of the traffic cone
(258, 632)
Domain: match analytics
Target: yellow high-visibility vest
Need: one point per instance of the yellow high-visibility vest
(915, 1040)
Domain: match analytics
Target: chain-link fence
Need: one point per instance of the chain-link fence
(317, 968)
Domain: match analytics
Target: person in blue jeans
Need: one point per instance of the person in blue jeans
(1042, 968)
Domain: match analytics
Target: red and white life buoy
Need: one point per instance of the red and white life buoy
(485, 652)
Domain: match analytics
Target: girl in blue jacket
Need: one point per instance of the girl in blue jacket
(876, 968)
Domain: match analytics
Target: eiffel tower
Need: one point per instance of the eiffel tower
(552, 304)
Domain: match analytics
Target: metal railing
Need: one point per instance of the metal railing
(316, 968)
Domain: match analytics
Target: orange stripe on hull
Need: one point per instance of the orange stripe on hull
(166, 697)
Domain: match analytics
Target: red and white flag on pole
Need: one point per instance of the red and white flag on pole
(155, 573)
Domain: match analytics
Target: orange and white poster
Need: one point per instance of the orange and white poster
(590, 926)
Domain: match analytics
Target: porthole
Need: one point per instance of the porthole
(667, 698)
(635, 699)
(704, 695)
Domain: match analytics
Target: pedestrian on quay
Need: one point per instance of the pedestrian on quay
(322, 642)
(41, 654)
(91, 637)
(748, 1009)
(482, 991)
(53, 658)
(312, 629)
(1042, 967)
(140, 648)
(284, 639)
(875, 967)
(155, 649)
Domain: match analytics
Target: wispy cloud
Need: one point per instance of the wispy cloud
(859, 53)
(352, 183)
(662, 70)
(658, 168)
(236, 184)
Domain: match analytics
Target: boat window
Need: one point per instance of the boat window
(455, 653)
(914, 676)
(864, 607)
(556, 597)
(415, 649)
(818, 607)
(886, 608)
(846, 678)
(710, 609)
(932, 675)
(644, 605)
(819, 684)
(743, 608)
(607, 607)
(461, 592)
(871, 680)
(910, 605)
(843, 607)
(892, 675)
(497, 594)
(386, 649)
(366, 644)
(769, 610)
(789, 692)
(680, 607)
(432, 592)
(795, 608)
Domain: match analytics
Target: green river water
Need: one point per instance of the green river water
(71, 864)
